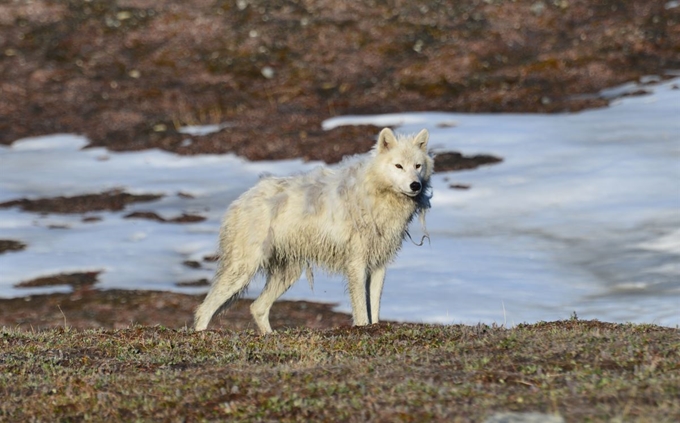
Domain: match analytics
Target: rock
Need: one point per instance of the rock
(524, 418)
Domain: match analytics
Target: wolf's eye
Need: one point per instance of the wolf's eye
(418, 166)
(398, 166)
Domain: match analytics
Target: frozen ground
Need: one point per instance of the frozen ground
(583, 215)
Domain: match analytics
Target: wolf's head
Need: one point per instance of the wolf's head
(404, 163)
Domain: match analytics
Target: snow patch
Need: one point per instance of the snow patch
(581, 215)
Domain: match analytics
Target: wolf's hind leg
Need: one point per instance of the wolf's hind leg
(228, 285)
(279, 280)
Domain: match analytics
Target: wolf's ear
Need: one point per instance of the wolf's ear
(386, 140)
(421, 139)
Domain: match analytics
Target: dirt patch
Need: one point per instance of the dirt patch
(184, 218)
(111, 200)
(129, 75)
(80, 280)
(199, 282)
(7, 245)
(454, 161)
(91, 308)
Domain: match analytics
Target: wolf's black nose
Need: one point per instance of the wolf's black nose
(415, 186)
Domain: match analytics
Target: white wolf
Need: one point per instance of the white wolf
(350, 220)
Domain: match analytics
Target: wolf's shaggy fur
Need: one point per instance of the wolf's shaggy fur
(350, 220)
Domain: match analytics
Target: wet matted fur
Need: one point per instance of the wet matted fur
(350, 219)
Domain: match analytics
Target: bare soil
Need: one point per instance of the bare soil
(129, 73)
(110, 200)
(89, 308)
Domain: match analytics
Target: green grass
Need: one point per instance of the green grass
(582, 370)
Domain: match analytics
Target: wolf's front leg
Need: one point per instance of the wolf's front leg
(356, 281)
(376, 280)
